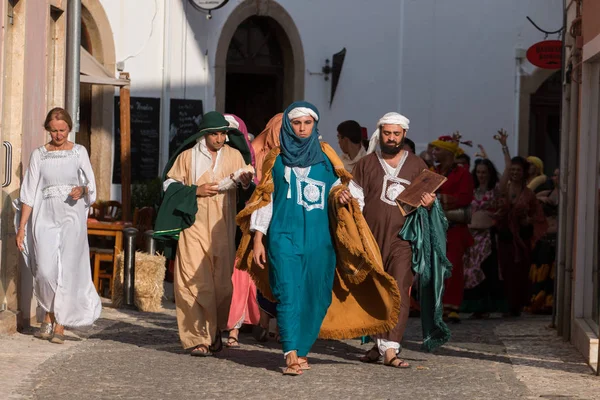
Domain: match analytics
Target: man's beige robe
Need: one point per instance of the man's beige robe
(206, 253)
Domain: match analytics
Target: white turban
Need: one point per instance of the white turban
(391, 118)
(302, 112)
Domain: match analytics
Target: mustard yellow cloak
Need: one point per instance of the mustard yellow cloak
(365, 300)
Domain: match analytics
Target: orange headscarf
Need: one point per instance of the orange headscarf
(267, 140)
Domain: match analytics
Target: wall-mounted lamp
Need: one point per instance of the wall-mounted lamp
(325, 71)
(335, 71)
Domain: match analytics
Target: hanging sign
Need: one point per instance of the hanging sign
(208, 5)
(546, 54)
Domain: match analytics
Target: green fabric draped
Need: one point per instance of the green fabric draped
(426, 231)
(176, 213)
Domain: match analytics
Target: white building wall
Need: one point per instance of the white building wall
(446, 64)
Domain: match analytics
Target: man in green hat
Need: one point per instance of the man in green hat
(198, 209)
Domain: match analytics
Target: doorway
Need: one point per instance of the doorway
(544, 122)
(255, 73)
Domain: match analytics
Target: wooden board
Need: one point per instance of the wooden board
(426, 182)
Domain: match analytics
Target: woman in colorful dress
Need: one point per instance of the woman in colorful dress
(483, 288)
(56, 193)
(244, 308)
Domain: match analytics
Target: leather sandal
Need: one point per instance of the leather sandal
(45, 331)
(293, 369)
(57, 338)
(368, 358)
(232, 342)
(303, 361)
(201, 351)
(402, 364)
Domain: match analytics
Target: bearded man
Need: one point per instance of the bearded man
(378, 180)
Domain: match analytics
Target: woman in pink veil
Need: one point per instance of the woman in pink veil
(244, 307)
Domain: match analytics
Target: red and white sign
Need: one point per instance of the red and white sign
(546, 54)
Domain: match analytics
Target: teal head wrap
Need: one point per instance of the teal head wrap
(297, 151)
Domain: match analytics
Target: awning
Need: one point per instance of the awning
(92, 72)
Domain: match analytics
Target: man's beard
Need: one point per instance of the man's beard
(391, 150)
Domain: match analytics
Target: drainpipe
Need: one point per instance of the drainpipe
(73, 63)
(519, 55)
(165, 107)
(557, 316)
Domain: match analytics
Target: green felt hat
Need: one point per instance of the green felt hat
(213, 121)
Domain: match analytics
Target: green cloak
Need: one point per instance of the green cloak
(426, 231)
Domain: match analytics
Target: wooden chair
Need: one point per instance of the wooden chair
(143, 220)
(112, 211)
(102, 274)
(96, 211)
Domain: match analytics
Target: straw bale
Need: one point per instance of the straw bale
(149, 276)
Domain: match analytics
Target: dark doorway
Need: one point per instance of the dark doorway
(255, 72)
(544, 123)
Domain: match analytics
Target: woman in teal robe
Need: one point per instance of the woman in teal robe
(300, 251)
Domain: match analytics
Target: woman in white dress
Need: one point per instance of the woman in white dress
(56, 193)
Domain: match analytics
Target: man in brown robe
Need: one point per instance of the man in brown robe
(206, 249)
(378, 179)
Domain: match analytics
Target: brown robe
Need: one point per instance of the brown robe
(385, 220)
(206, 254)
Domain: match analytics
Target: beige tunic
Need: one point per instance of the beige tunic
(206, 253)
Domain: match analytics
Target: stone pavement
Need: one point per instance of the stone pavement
(132, 355)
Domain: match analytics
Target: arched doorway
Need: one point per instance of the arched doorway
(274, 28)
(255, 74)
(544, 122)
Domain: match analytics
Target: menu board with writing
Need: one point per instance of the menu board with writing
(145, 139)
(185, 116)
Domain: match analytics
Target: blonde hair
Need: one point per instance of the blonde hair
(59, 114)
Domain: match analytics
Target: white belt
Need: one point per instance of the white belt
(57, 191)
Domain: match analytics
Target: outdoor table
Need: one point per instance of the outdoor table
(106, 228)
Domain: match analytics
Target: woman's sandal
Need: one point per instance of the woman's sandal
(232, 342)
(201, 351)
(57, 338)
(303, 361)
(402, 364)
(293, 369)
(368, 358)
(45, 331)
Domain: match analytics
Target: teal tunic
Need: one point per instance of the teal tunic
(301, 254)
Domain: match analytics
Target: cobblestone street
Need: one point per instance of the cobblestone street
(132, 355)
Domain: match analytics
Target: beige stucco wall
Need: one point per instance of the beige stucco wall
(25, 103)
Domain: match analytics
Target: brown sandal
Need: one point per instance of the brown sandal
(368, 359)
(232, 342)
(303, 361)
(201, 351)
(402, 364)
(294, 369)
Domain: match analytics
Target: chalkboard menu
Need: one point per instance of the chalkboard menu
(185, 117)
(145, 139)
